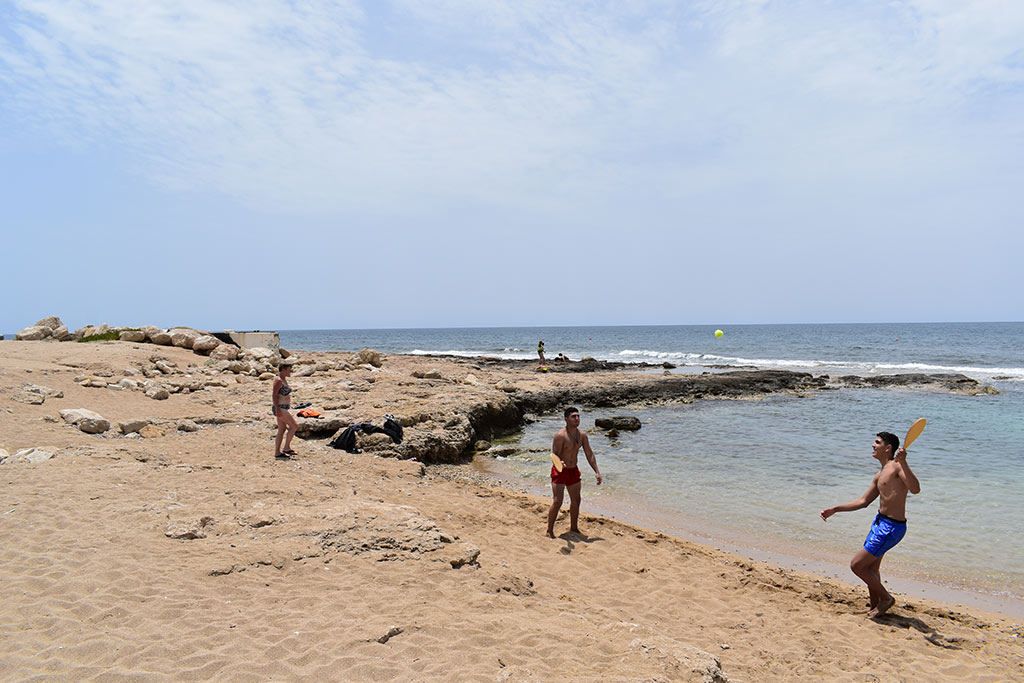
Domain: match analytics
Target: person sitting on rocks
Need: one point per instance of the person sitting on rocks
(281, 404)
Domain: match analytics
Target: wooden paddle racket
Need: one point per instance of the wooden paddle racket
(557, 462)
(914, 432)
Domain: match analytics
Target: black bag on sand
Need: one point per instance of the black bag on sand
(346, 441)
(392, 429)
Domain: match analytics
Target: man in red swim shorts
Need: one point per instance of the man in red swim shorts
(566, 447)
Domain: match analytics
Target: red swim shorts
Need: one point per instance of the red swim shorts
(568, 475)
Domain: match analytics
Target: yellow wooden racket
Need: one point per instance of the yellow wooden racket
(914, 432)
(557, 462)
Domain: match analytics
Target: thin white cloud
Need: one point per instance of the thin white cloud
(408, 105)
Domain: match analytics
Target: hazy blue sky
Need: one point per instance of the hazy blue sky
(408, 163)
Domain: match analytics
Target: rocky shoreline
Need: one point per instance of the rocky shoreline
(447, 405)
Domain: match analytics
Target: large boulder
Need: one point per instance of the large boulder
(183, 337)
(224, 352)
(60, 333)
(132, 336)
(260, 353)
(34, 333)
(205, 343)
(161, 337)
(86, 420)
(53, 322)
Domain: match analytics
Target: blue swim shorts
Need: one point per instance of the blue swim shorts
(885, 533)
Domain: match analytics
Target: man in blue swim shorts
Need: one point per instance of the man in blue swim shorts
(891, 485)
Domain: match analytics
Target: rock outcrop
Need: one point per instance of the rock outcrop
(628, 423)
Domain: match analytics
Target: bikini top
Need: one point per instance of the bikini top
(285, 390)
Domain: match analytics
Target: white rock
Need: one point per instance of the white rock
(183, 337)
(158, 393)
(205, 343)
(34, 333)
(86, 420)
(53, 322)
(60, 333)
(162, 338)
(165, 367)
(44, 391)
(132, 336)
(29, 455)
(224, 352)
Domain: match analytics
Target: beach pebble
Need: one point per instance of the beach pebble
(392, 632)
(158, 393)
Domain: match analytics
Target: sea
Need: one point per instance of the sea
(751, 476)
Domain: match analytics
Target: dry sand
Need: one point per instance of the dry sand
(196, 556)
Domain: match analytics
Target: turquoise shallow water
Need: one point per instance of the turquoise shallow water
(755, 474)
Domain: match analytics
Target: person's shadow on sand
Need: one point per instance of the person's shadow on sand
(930, 634)
(571, 538)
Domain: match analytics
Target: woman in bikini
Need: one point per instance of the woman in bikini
(281, 404)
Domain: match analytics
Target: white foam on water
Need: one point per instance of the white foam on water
(823, 365)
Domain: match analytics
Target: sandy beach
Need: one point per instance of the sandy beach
(173, 546)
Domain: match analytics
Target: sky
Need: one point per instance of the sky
(307, 164)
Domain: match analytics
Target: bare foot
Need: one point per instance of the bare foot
(883, 607)
(865, 610)
(551, 534)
